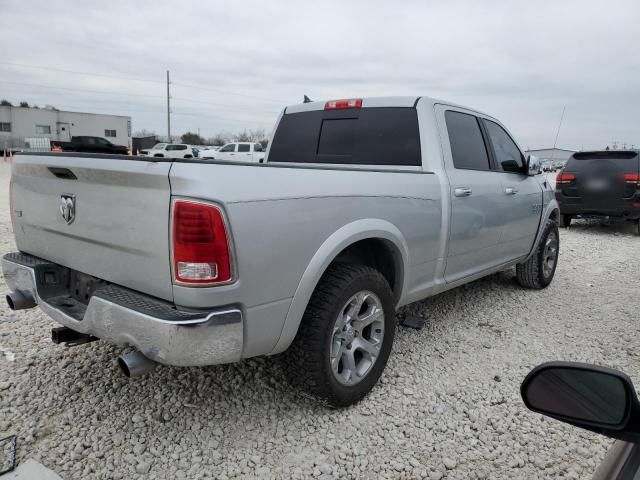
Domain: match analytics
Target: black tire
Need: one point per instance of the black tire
(636, 228)
(532, 273)
(565, 220)
(307, 361)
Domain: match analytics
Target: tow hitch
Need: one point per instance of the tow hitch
(70, 337)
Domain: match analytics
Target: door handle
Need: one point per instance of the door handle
(462, 192)
(510, 190)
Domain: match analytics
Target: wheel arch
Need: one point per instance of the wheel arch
(360, 241)
(551, 212)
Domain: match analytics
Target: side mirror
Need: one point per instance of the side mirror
(533, 165)
(599, 399)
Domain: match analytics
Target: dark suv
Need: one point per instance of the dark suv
(600, 184)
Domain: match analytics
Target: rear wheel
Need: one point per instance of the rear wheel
(565, 220)
(538, 270)
(345, 336)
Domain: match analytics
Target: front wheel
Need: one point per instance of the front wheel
(538, 270)
(345, 337)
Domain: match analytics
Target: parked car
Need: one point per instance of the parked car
(88, 144)
(358, 209)
(598, 399)
(207, 152)
(600, 184)
(170, 150)
(238, 151)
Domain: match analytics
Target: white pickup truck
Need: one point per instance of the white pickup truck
(237, 152)
(362, 206)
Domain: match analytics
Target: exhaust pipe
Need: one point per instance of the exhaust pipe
(135, 364)
(19, 301)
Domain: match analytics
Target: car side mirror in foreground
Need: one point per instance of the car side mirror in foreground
(533, 165)
(599, 399)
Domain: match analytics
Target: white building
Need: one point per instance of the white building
(20, 123)
(552, 154)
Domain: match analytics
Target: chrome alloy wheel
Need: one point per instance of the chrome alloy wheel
(357, 338)
(550, 254)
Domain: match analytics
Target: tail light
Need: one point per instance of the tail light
(565, 178)
(201, 251)
(342, 104)
(632, 178)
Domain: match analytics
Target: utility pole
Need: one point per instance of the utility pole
(168, 110)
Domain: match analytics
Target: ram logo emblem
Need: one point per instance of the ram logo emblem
(68, 208)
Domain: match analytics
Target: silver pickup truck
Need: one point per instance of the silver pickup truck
(361, 206)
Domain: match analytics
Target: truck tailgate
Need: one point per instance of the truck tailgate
(104, 216)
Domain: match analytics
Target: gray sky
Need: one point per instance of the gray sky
(235, 64)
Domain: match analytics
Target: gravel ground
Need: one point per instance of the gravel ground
(448, 405)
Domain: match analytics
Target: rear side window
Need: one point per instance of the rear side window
(244, 147)
(467, 145)
(367, 136)
(507, 154)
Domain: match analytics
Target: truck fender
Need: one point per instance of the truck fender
(551, 210)
(347, 235)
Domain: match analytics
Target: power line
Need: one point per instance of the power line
(104, 75)
(226, 92)
(215, 104)
(102, 92)
(80, 73)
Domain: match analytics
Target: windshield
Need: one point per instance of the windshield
(159, 146)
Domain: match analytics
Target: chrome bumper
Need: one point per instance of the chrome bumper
(124, 317)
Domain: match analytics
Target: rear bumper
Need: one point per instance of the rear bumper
(623, 208)
(124, 317)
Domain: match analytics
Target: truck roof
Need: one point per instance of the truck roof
(399, 101)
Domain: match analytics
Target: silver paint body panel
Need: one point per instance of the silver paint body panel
(287, 223)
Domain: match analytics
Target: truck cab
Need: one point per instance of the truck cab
(240, 152)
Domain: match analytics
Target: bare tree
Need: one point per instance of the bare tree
(145, 133)
(192, 138)
(219, 139)
(243, 136)
(259, 136)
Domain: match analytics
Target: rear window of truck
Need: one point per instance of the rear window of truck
(367, 136)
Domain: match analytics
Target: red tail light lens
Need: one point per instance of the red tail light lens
(632, 178)
(341, 104)
(201, 252)
(565, 178)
